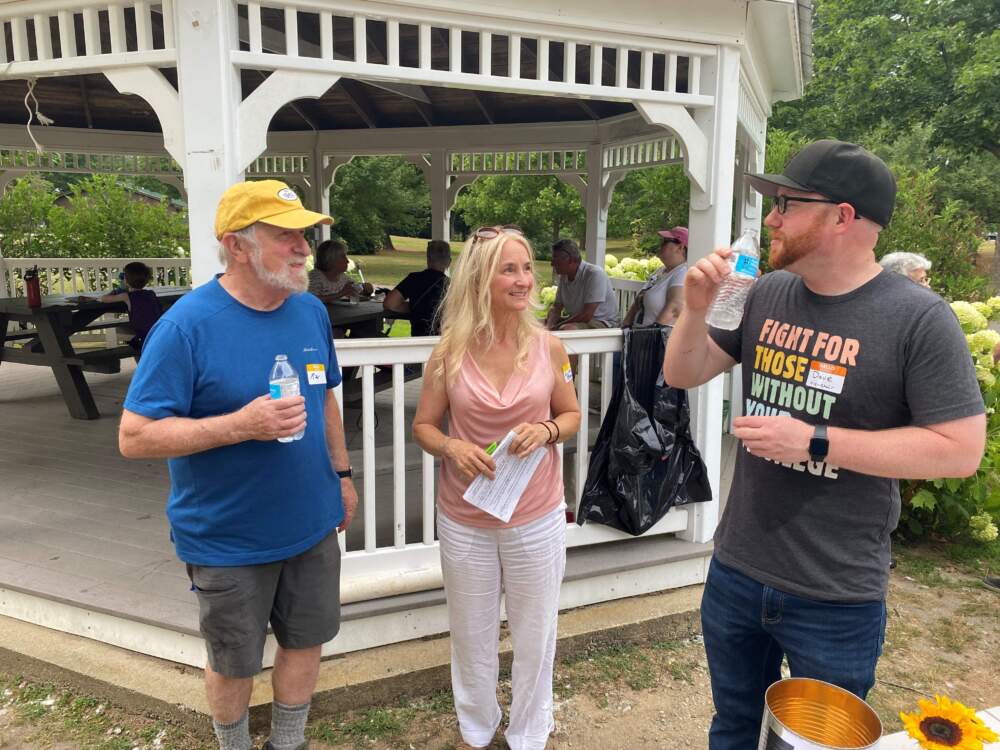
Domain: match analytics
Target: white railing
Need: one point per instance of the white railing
(59, 36)
(515, 162)
(30, 160)
(280, 165)
(624, 157)
(87, 275)
(407, 43)
(393, 547)
(626, 291)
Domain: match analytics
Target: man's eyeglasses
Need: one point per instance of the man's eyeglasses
(781, 201)
(488, 233)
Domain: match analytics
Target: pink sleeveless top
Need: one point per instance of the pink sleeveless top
(480, 415)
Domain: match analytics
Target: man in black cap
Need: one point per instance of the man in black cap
(852, 378)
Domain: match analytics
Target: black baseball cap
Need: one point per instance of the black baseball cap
(842, 171)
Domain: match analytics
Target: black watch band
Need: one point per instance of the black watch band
(819, 445)
(346, 473)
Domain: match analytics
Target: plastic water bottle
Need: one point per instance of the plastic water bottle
(726, 310)
(284, 381)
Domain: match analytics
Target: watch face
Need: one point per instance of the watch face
(818, 448)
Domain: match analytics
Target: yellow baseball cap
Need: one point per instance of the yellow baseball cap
(269, 201)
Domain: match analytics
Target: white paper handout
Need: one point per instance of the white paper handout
(499, 496)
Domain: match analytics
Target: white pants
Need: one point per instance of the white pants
(528, 563)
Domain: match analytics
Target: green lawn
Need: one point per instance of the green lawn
(388, 267)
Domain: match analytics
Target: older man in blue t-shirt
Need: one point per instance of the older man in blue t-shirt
(254, 518)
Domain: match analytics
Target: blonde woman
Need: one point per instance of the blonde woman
(496, 370)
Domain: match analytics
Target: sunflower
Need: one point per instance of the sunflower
(946, 723)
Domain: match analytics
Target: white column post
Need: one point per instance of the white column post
(709, 225)
(320, 191)
(440, 207)
(597, 216)
(210, 98)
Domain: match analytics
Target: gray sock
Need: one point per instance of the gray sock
(235, 736)
(288, 726)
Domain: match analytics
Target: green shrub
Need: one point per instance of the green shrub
(102, 220)
(964, 509)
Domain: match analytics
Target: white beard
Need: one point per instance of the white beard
(287, 279)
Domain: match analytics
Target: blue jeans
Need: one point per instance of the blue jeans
(748, 628)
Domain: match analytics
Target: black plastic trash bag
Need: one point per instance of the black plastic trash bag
(644, 461)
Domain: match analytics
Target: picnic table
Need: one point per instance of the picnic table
(363, 318)
(52, 324)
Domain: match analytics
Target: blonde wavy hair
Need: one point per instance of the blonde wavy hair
(467, 309)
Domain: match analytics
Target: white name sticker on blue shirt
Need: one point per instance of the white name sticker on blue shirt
(316, 373)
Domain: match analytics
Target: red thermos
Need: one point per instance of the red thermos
(32, 288)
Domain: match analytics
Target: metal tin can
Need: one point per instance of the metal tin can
(806, 714)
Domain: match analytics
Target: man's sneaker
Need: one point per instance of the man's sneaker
(269, 746)
(992, 582)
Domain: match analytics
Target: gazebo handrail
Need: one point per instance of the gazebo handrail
(86, 275)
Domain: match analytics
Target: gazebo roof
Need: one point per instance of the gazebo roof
(91, 101)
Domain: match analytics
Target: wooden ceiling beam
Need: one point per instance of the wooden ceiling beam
(588, 109)
(426, 110)
(85, 96)
(360, 102)
(485, 108)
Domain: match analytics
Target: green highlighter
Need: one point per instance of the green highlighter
(490, 448)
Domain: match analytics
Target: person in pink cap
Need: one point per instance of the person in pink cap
(662, 298)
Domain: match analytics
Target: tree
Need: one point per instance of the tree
(901, 63)
(648, 200)
(544, 207)
(24, 212)
(102, 219)
(375, 196)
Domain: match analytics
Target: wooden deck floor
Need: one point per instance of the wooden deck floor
(82, 525)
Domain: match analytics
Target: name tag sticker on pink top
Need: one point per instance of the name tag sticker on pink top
(567, 372)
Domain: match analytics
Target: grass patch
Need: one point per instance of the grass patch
(952, 634)
(975, 559)
(924, 570)
(618, 662)
(49, 714)
(380, 724)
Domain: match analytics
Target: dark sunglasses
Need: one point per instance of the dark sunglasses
(488, 233)
(781, 202)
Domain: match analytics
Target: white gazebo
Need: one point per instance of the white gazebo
(205, 93)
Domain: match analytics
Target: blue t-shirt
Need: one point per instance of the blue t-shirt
(256, 501)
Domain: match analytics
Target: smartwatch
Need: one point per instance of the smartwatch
(346, 473)
(819, 445)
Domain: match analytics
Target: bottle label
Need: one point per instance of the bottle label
(747, 265)
(280, 389)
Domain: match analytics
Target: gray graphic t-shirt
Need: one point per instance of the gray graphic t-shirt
(888, 354)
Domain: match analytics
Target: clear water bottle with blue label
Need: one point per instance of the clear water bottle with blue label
(726, 310)
(284, 381)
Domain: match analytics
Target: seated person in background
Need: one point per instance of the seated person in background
(584, 292)
(328, 280)
(420, 293)
(913, 265)
(144, 307)
(661, 299)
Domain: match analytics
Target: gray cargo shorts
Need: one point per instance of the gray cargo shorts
(299, 596)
